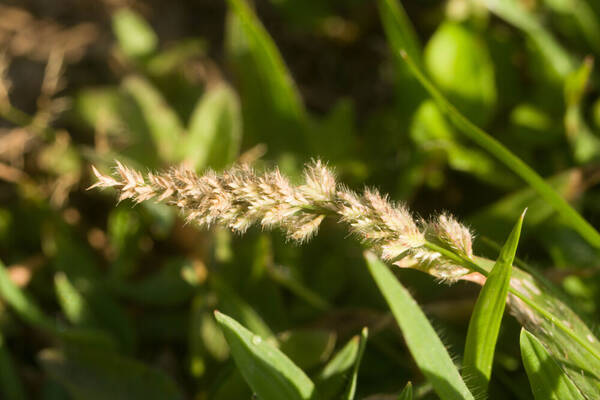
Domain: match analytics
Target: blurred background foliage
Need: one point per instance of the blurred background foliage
(102, 301)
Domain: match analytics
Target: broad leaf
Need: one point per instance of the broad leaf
(163, 124)
(136, 38)
(269, 372)
(459, 62)
(215, 130)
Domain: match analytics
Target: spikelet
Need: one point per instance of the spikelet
(240, 197)
(452, 234)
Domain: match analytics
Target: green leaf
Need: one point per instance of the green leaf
(205, 338)
(586, 145)
(407, 392)
(401, 35)
(307, 348)
(424, 344)
(432, 132)
(22, 304)
(97, 375)
(544, 313)
(165, 287)
(234, 305)
(175, 56)
(74, 305)
(215, 130)
(124, 231)
(458, 61)
(276, 79)
(493, 146)
(136, 38)
(547, 379)
(266, 86)
(163, 124)
(514, 12)
(270, 374)
(400, 32)
(333, 379)
(494, 220)
(484, 325)
(111, 111)
(351, 389)
(10, 384)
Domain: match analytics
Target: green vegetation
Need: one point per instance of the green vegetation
(304, 199)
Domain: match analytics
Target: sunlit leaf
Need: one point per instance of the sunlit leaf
(484, 325)
(546, 378)
(423, 342)
(270, 374)
(215, 130)
(136, 38)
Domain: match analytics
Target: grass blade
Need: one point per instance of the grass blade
(498, 150)
(334, 376)
(547, 379)
(10, 384)
(74, 305)
(484, 325)
(424, 344)
(269, 372)
(572, 344)
(307, 348)
(351, 390)
(265, 83)
(22, 304)
(515, 13)
(398, 28)
(277, 80)
(407, 392)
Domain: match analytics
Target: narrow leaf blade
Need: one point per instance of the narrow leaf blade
(351, 390)
(424, 344)
(399, 29)
(407, 392)
(22, 304)
(547, 379)
(270, 373)
(334, 376)
(484, 326)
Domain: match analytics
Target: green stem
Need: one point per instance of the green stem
(504, 155)
(469, 264)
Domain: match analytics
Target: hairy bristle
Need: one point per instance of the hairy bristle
(240, 197)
